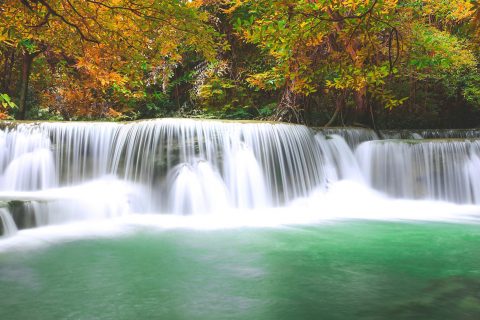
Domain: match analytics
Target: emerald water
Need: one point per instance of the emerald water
(335, 270)
(185, 219)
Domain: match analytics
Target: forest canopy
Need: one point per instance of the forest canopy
(387, 63)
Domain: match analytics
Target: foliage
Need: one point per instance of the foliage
(320, 61)
(6, 106)
(99, 52)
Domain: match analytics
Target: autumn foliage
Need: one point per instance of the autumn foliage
(314, 61)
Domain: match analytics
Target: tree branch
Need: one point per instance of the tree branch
(53, 12)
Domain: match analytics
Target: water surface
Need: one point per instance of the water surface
(338, 270)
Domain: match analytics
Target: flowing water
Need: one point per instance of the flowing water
(353, 136)
(431, 134)
(443, 170)
(185, 219)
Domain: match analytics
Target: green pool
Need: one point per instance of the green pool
(341, 270)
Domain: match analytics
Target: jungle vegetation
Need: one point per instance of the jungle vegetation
(379, 63)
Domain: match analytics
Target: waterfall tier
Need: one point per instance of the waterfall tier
(59, 172)
(442, 170)
(7, 224)
(177, 166)
(431, 134)
(352, 135)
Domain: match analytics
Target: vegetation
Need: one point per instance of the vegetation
(386, 63)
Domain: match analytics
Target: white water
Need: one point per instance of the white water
(7, 223)
(443, 170)
(223, 174)
(339, 161)
(196, 189)
(320, 207)
(352, 135)
(431, 134)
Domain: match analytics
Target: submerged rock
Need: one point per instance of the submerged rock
(450, 298)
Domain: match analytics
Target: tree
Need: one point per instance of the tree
(346, 48)
(109, 44)
(313, 61)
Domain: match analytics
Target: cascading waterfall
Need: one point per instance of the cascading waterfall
(473, 174)
(340, 162)
(168, 165)
(26, 161)
(431, 134)
(401, 134)
(7, 225)
(31, 171)
(61, 172)
(353, 136)
(196, 189)
(145, 152)
(442, 170)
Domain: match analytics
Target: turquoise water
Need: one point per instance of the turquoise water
(342, 270)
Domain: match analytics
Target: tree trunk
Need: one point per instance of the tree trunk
(7, 70)
(362, 113)
(339, 104)
(26, 70)
(288, 110)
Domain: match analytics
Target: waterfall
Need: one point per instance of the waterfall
(340, 162)
(62, 172)
(473, 174)
(6, 223)
(145, 152)
(442, 170)
(196, 189)
(26, 160)
(31, 171)
(178, 166)
(402, 134)
(431, 134)
(352, 135)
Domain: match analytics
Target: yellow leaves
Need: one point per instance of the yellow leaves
(347, 81)
(111, 113)
(107, 79)
(452, 10)
(440, 51)
(302, 85)
(268, 80)
(6, 106)
(4, 116)
(349, 5)
(231, 9)
(463, 10)
(101, 67)
(391, 102)
(86, 75)
(82, 62)
(351, 79)
(3, 36)
(315, 40)
(138, 95)
(7, 41)
(372, 79)
(167, 48)
(200, 3)
(357, 79)
(387, 7)
(206, 92)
